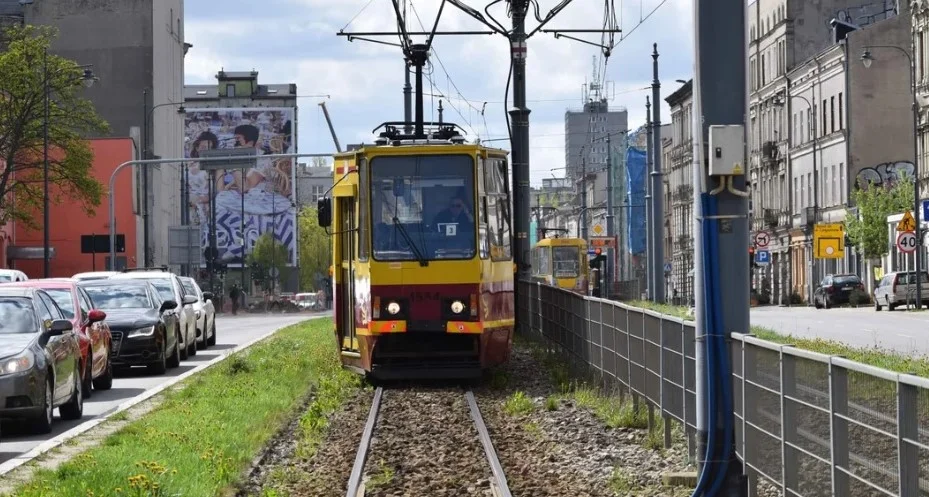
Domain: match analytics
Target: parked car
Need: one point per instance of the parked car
(144, 326)
(39, 360)
(204, 310)
(94, 275)
(835, 289)
(7, 275)
(89, 324)
(899, 288)
(169, 287)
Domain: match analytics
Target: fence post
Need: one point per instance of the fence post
(788, 388)
(907, 433)
(838, 407)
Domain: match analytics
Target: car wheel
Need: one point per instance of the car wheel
(105, 380)
(43, 424)
(184, 350)
(192, 343)
(88, 375)
(877, 304)
(175, 359)
(212, 340)
(74, 408)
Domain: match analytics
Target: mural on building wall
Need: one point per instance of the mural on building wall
(884, 174)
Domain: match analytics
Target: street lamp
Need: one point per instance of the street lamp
(867, 59)
(813, 264)
(88, 79)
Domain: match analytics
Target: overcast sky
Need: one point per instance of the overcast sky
(294, 41)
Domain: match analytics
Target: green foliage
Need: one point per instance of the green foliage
(267, 254)
(875, 202)
(22, 118)
(314, 249)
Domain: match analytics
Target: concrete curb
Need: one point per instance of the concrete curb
(50, 444)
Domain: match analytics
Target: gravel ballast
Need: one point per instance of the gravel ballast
(549, 444)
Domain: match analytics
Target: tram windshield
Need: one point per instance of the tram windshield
(566, 261)
(422, 207)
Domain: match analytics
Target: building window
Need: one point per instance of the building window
(832, 114)
(824, 128)
(841, 109)
(827, 191)
(842, 194)
(809, 189)
(230, 90)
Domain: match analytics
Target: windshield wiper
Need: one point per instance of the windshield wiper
(406, 236)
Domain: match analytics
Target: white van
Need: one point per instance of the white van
(10, 275)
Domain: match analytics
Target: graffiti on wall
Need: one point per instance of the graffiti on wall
(884, 174)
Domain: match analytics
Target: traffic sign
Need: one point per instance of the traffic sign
(829, 241)
(667, 267)
(762, 257)
(598, 229)
(762, 239)
(591, 251)
(602, 241)
(925, 204)
(908, 223)
(906, 242)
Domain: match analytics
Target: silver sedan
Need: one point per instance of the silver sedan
(204, 310)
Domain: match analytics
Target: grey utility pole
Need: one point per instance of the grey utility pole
(649, 153)
(656, 257)
(610, 229)
(520, 116)
(583, 220)
(719, 90)
(146, 229)
(407, 99)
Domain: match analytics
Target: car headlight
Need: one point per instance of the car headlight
(141, 332)
(457, 306)
(17, 364)
(393, 308)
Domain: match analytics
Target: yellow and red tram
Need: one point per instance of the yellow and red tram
(423, 270)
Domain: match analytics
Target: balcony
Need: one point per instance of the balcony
(683, 193)
(769, 152)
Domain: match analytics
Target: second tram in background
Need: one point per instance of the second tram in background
(561, 262)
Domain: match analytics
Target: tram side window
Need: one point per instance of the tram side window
(498, 210)
(364, 209)
(483, 243)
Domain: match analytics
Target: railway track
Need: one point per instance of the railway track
(437, 460)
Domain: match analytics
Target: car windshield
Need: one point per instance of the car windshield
(189, 288)
(119, 296)
(422, 208)
(17, 316)
(64, 299)
(566, 261)
(843, 280)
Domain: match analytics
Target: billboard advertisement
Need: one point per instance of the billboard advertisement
(248, 202)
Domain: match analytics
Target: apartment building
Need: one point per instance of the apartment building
(679, 175)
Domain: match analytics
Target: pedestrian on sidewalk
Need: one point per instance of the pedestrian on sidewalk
(234, 296)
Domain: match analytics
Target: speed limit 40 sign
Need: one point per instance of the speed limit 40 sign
(906, 241)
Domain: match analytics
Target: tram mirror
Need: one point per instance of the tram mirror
(324, 212)
(399, 187)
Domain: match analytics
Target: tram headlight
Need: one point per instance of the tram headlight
(458, 307)
(393, 308)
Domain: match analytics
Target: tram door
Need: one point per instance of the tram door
(346, 211)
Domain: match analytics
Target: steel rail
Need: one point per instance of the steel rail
(501, 488)
(355, 483)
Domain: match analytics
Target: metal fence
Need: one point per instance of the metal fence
(807, 424)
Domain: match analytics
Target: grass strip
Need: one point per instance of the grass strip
(872, 356)
(205, 434)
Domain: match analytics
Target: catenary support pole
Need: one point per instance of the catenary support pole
(407, 99)
(720, 99)
(146, 245)
(656, 259)
(610, 229)
(649, 158)
(519, 115)
(583, 221)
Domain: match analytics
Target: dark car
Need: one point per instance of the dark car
(39, 360)
(835, 289)
(144, 327)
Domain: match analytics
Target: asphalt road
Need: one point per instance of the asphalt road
(903, 332)
(231, 331)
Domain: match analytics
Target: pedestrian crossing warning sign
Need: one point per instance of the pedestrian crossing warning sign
(908, 223)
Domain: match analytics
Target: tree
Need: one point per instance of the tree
(315, 247)
(875, 202)
(269, 254)
(320, 162)
(22, 118)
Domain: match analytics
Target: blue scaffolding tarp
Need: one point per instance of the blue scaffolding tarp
(635, 199)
